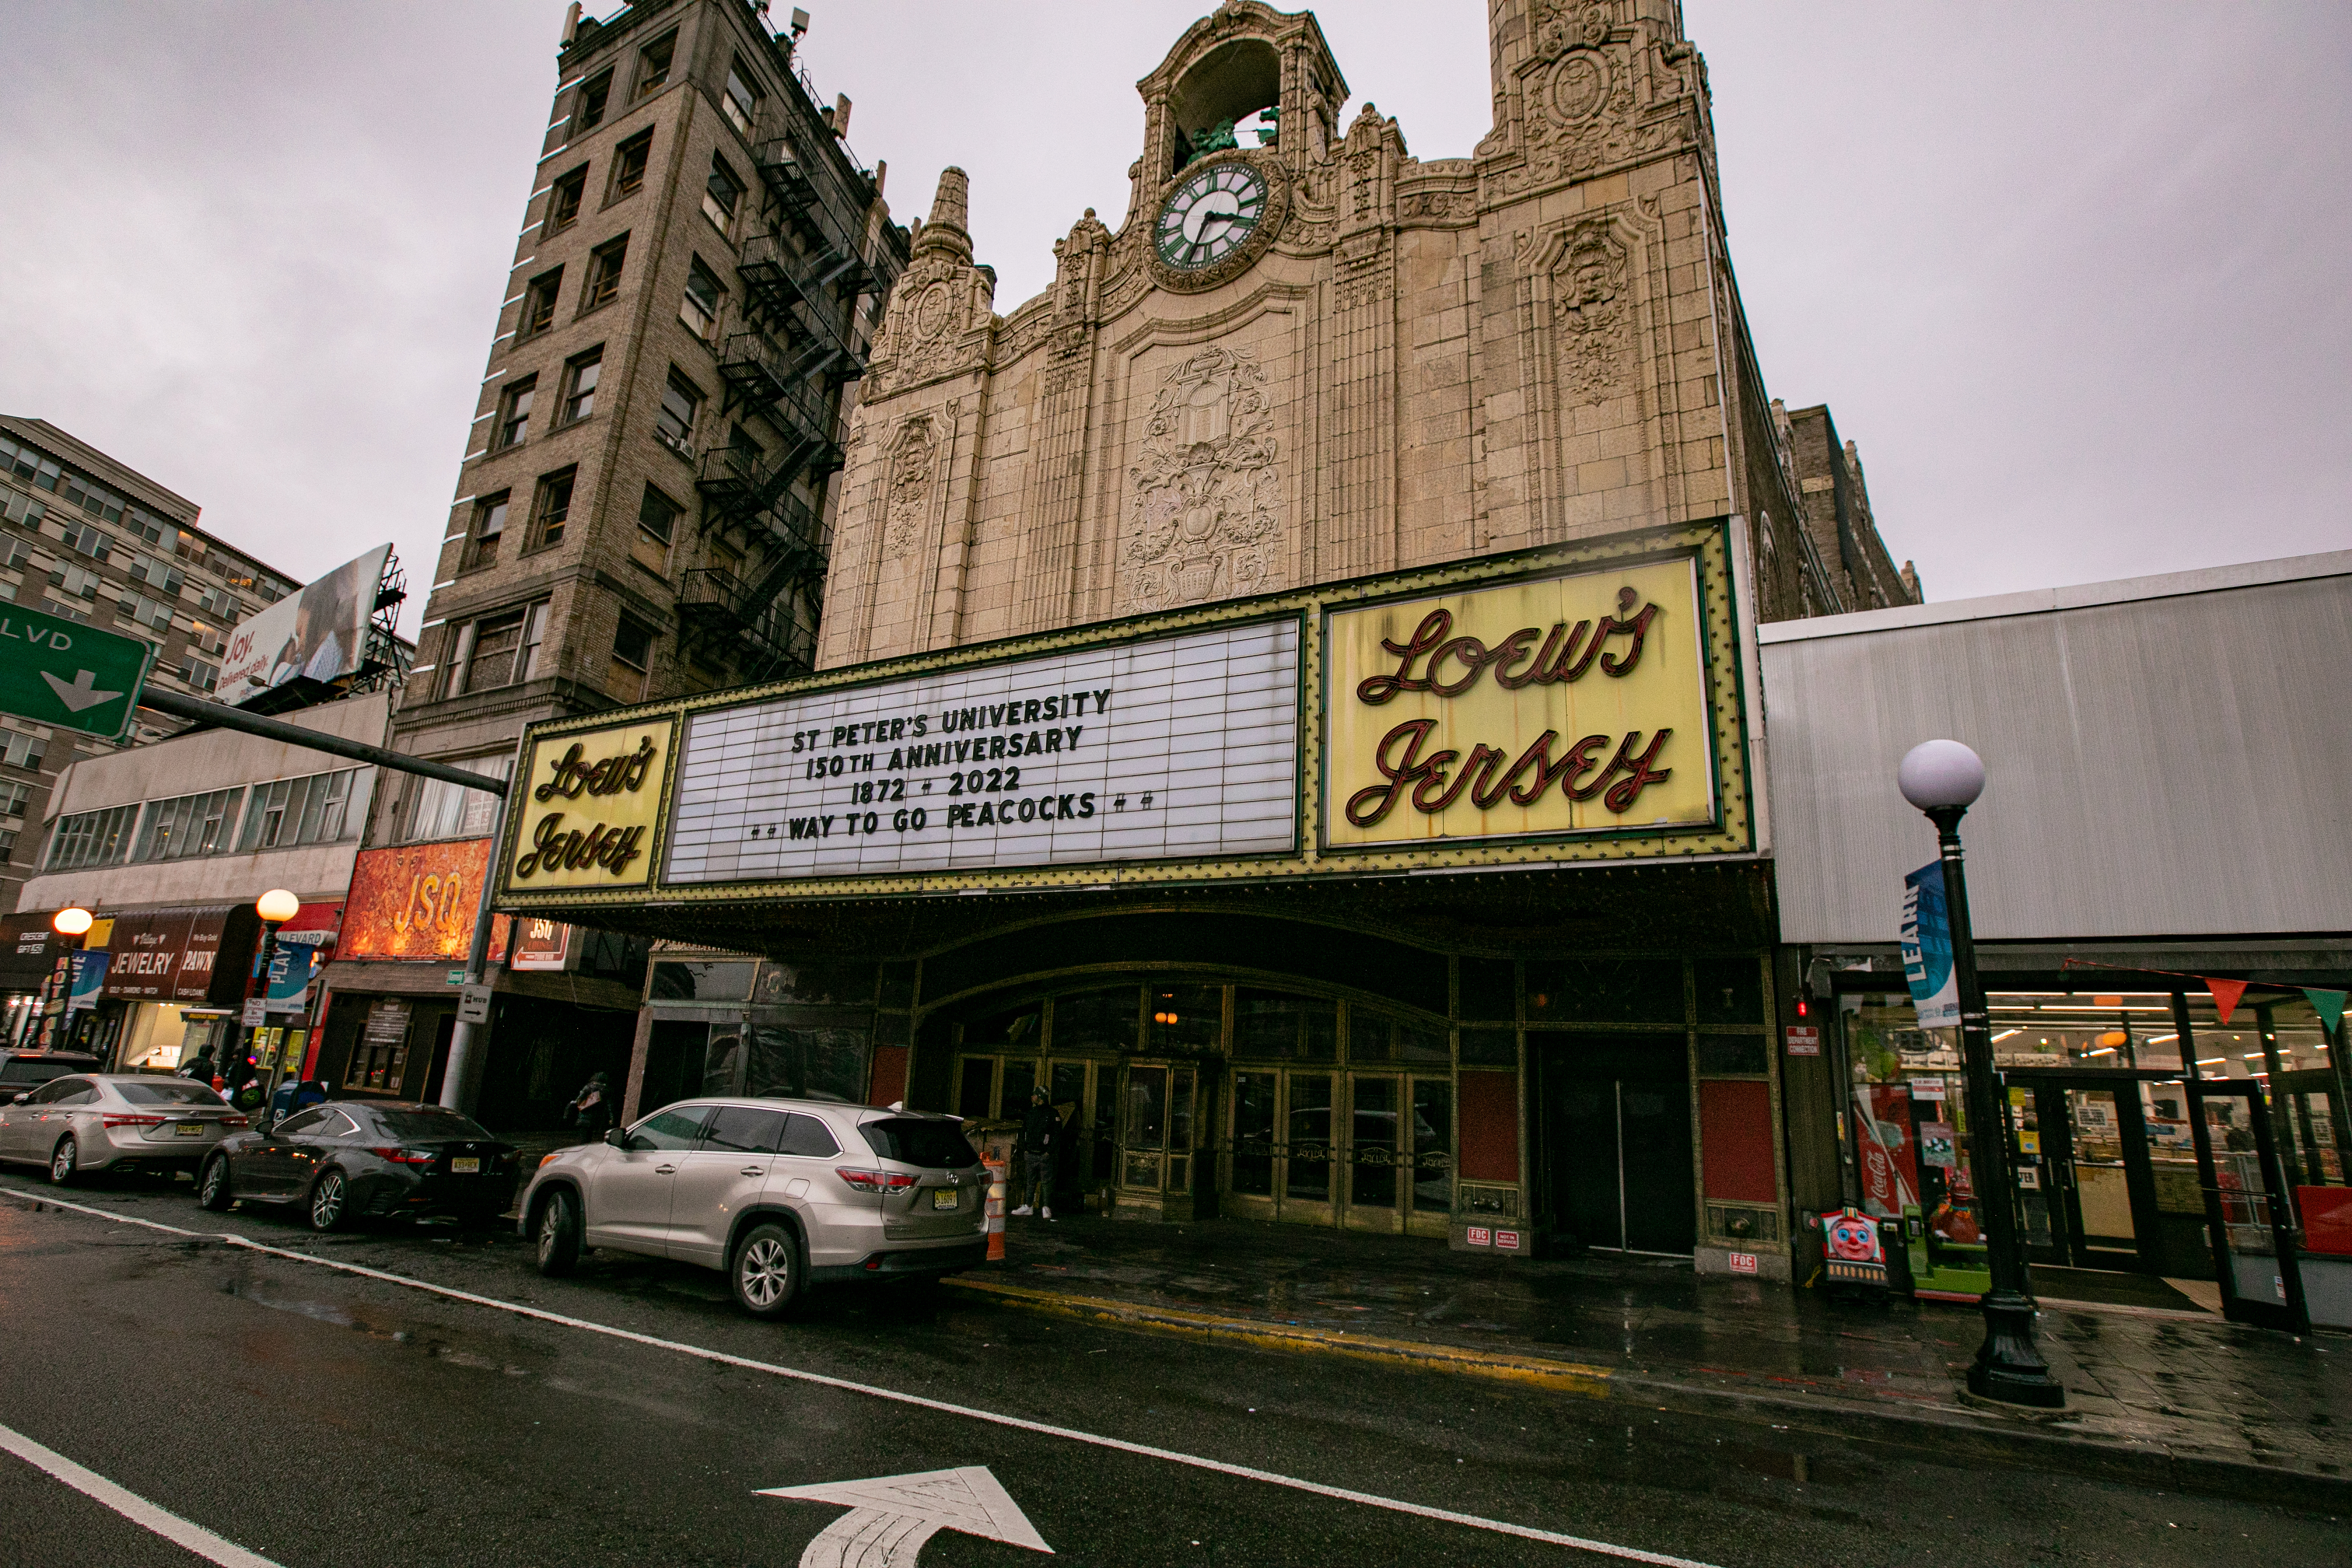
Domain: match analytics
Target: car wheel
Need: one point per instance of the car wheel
(559, 1234)
(65, 1165)
(212, 1187)
(327, 1201)
(766, 1272)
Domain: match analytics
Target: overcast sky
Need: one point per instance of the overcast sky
(2074, 276)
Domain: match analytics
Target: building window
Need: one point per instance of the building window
(13, 798)
(673, 426)
(85, 540)
(316, 809)
(489, 527)
(450, 811)
(77, 582)
(91, 839)
(580, 384)
(497, 650)
(563, 201)
(653, 66)
(219, 604)
(551, 508)
(30, 466)
(594, 94)
(190, 826)
(143, 611)
(629, 161)
(633, 652)
(197, 673)
(19, 750)
(147, 569)
(704, 299)
(604, 264)
(741, 102)
(721, 196)
(539, 304)
(66, 610)
(514, 414)
(657, 518)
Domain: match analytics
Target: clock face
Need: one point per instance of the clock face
(1210, 214)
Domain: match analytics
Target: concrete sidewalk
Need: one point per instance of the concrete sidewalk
(2186, 1399)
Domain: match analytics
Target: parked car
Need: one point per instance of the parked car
(114, 1121)
(21, 1071)
(351, 1157)
(779, 1194)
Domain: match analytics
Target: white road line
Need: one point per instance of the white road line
(130, 1506)
(968, 1412)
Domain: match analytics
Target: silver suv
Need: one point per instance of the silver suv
(778, 1193)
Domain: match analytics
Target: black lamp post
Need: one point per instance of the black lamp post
(275, 907)
(1943, 779)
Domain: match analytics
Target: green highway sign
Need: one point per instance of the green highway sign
(60, 672)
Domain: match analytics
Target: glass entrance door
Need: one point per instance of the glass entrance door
(1365, 1150)
(2086, 1189)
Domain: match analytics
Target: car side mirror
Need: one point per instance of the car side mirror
(616, 1138)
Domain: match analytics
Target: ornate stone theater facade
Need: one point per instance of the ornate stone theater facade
(1388, 363)
(1288, 690)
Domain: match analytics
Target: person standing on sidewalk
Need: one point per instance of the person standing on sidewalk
(591, 1109)
(1041, 1139)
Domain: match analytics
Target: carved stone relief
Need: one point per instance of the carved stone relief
(1205, 494)
(1591, 313)
(913, 461)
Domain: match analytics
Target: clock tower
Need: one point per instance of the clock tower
(1307, 355)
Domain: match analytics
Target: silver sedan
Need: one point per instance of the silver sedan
(114, 1121)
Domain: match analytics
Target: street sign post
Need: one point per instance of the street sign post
(60, 673)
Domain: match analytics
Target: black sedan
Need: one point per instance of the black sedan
(347, 1158)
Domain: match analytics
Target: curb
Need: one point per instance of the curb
(1960, 1435)
(1568, 1377)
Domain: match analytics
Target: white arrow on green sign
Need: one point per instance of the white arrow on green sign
(59, 672)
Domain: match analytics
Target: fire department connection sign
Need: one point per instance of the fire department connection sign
(1553, 705)
(1185, 746)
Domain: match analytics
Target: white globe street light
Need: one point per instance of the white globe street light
(1943, 779)
(1940, 773)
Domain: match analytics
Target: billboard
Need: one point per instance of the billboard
(1554, 705)
(1175, 746)
(320, 633)
(417, 901)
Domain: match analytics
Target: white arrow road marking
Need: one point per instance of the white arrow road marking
(80, 695)
(130, 1506)
(895, 1396)
(890, 1517)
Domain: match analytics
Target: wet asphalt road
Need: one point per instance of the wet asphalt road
(321, 1419)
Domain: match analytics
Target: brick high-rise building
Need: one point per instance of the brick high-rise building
(84, 537)
(644, 502)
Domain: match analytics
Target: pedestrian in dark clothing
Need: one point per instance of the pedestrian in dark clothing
(1041, 1139)
(591, 1109)
(200, 1069)
(239, 1072)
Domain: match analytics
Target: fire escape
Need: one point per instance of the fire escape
(797, 341)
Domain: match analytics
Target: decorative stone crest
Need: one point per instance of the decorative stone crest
(1206, 495)
(1590, 284)
(914, 457)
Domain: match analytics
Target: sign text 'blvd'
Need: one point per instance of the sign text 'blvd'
(57, 672)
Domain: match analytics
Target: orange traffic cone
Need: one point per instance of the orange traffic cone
(995, 1210)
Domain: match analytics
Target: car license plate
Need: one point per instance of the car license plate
(465, 1165)
(189, 1129)
(944, 1198)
